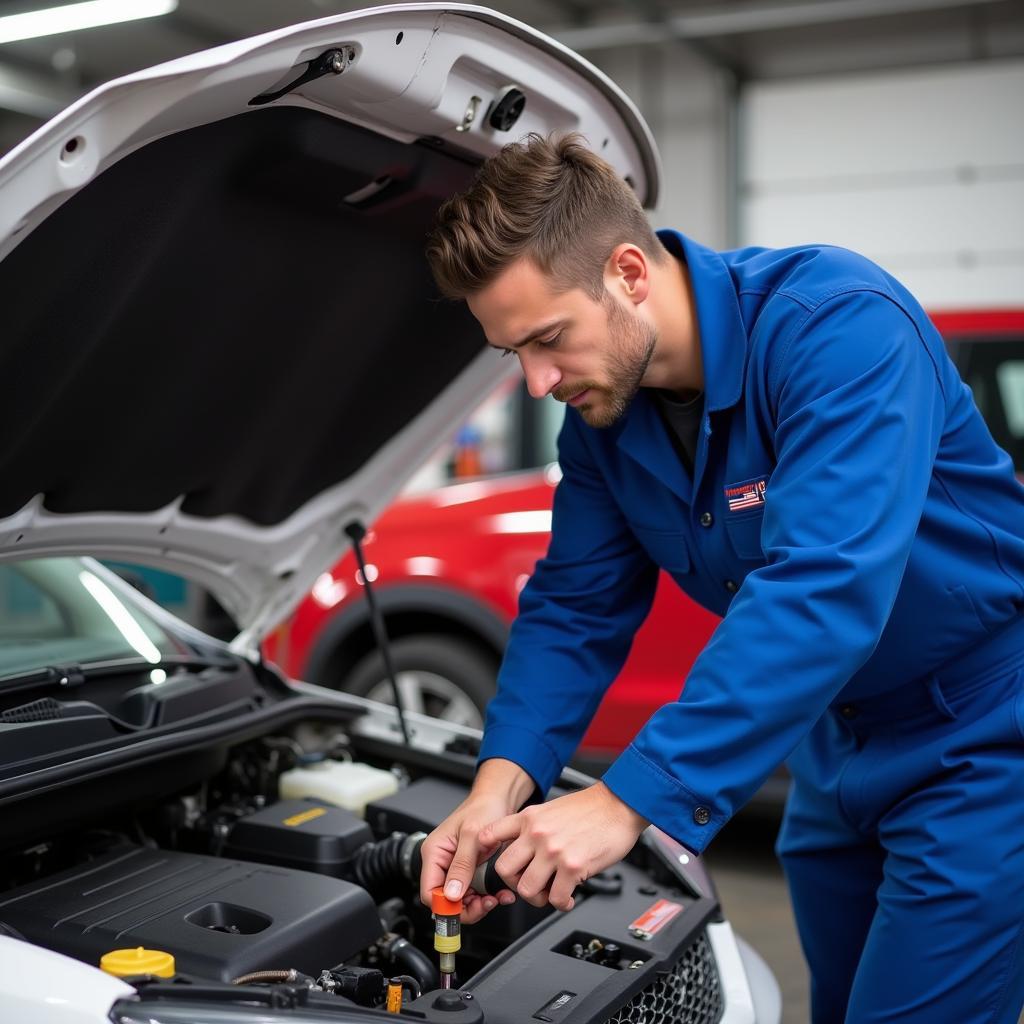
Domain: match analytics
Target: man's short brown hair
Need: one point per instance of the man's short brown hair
(550, 199)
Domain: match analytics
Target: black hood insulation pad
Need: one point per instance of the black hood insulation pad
(211, 317)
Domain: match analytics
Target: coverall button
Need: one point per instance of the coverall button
(732, 586)
(706, 519)
(701, 815)
(849, 711)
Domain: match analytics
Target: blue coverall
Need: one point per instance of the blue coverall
(861, 533)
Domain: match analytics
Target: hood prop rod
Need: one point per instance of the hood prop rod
(356, 532)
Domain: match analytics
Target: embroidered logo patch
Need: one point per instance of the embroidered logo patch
(748, 494)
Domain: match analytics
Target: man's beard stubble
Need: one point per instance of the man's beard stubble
(633, 343)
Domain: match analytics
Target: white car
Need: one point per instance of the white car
(221, 353)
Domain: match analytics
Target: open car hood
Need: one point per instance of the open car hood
(221, 343)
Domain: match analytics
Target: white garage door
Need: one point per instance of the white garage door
(922, 170)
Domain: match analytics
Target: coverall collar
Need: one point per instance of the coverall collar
(723, 337)
(723, 341)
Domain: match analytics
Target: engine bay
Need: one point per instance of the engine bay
(253, 889)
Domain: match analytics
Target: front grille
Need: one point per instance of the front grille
(690, 993)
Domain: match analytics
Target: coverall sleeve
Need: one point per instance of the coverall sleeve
(577, 617)
(859, 413)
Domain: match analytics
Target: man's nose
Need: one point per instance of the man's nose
(541, 376)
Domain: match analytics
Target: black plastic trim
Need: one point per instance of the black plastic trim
(136, 752)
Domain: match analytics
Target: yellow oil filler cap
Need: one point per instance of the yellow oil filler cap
(126, 962)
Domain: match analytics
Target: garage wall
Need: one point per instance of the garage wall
(922, 170)
(685, 102)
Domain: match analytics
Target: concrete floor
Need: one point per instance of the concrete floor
(753, 893)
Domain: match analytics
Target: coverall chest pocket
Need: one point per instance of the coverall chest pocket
(744, 529)
(666, 547)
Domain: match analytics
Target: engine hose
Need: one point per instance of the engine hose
(410, 984)
(397, 858)
(404, 954)
(380, 866)
(248, 979)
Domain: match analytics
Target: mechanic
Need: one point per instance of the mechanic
(783, 432)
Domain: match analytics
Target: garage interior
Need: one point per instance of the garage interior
(892, 127)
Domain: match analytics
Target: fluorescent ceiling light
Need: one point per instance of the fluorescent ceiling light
(120, 616)
(72, 17)
(32, 94)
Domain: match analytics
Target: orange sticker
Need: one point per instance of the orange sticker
(654, 918)
(300, 819)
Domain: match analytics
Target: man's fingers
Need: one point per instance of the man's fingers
(475, 907)
(535, 880)
(511, 864)
(436, 858)
(567, 878)
(502, 831)
(540, 900)
(463, 864)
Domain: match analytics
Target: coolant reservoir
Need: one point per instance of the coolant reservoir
(125, 962)
(346, 784)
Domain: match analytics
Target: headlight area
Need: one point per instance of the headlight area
(286, 888)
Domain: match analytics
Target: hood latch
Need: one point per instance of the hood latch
(330, 62)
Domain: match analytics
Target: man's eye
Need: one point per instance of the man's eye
(551, 341)
(506, 352)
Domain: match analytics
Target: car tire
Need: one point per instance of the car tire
(444, 677)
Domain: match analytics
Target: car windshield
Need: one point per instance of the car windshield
(73, 611)
(994, 369)
(509, 431)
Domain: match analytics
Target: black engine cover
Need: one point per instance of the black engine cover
(219, 918)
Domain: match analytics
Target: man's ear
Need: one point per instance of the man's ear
(628, 273)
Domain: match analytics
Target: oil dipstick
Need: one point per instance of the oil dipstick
(447, 932)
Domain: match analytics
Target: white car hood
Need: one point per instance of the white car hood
(221, 343)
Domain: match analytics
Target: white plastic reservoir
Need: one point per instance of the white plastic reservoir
(346, 784)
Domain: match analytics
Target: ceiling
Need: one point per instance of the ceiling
(744, 39)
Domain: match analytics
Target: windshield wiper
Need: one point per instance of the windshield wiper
(68, 677)
(65, 676)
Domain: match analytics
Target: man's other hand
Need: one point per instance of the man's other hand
(554, 847)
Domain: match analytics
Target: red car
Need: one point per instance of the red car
(448, 564)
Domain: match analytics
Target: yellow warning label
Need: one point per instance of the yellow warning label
(301, 819)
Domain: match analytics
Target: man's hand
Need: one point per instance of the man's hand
(555, 846)
(451, 853)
